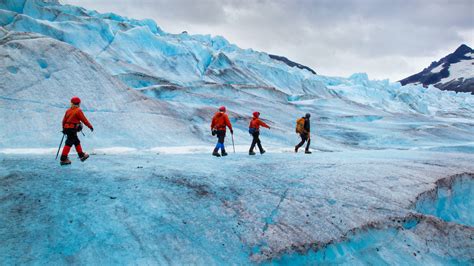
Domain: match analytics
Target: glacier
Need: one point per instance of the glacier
(391, 175)
(356, 207)
(184, 77)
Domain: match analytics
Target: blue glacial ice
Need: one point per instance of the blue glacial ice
(451, 200)
(382, 149)
(350, 208)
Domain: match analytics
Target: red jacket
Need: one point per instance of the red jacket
(220, 121)
(74, 116)
(256, 123)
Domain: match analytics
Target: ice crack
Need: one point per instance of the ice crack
(269, 219)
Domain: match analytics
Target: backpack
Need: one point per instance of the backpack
(253, 126)
(300, 125)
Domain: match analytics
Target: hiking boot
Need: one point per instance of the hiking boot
(65, 162)
(307, 152)
(215, 153)
(84, 157)
(262, 151)
(224, 153)
(296, 148)
(251, 153)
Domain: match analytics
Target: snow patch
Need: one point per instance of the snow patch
(29, 151)
(437, 69)
(114, 150)
(461, 70)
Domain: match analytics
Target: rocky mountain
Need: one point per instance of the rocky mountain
(454, 72)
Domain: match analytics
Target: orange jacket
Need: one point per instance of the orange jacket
(256, 123)
(220, 121)
(74, 116)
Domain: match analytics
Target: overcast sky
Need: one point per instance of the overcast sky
(384, 38)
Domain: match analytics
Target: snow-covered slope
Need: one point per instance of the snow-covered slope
(455, 72)
(183, 78)
(39, 73)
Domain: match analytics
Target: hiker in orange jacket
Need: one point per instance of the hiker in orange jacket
(219, 124)
(254, 130)
(71, 125)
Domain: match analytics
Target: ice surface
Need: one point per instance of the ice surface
(195, 209)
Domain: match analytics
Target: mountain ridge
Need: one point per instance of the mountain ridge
(439, 72)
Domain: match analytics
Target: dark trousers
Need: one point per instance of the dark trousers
(220, 140)
(304, 138)
(72, 139)
(256, 140)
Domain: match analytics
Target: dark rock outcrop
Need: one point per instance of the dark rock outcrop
(428, 77)
(291, 63)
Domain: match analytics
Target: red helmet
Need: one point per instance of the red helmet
(256, 114)
(75, 100)
(222, 108)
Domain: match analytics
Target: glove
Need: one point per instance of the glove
(213, 132)
(92, 129)
(232, 131)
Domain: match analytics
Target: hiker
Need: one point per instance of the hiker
(72, 123)
(219, 124)
(303, 128)
(254, 130)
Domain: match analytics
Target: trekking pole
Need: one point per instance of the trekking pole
(60, 144)
(233, 141)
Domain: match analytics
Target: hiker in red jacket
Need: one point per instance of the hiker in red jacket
(71, 125)
(254, 130)
(219, 124)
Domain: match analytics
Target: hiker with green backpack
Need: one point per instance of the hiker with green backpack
(303, 128)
